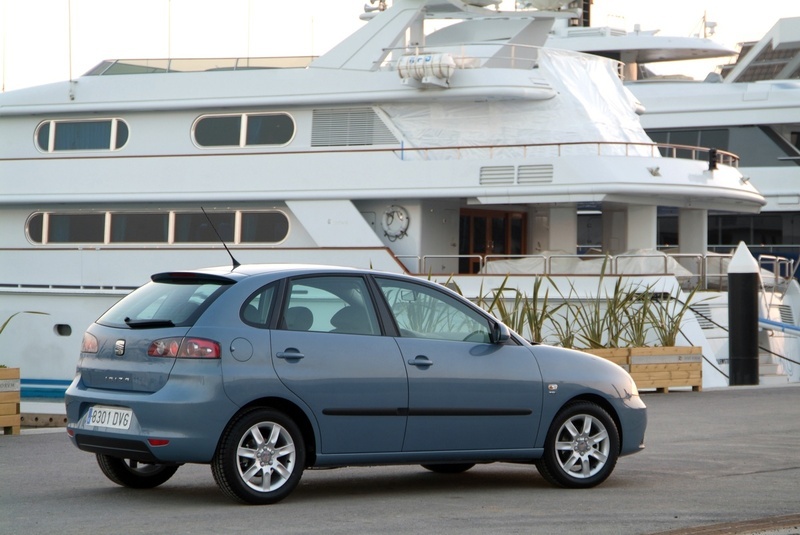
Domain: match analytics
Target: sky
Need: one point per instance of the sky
(43, 41)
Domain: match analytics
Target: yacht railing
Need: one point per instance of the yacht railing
(600, 148)
(471, 56)
(703, 271)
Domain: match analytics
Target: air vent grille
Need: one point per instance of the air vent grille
(786, 314)
(348, 127)
(703, 314)
(498, 175)
(535, 174)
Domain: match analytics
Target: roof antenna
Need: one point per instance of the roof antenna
(235, 263)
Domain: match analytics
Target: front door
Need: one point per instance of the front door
(465, 393)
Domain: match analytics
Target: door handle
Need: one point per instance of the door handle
(421, 361)
(289, 354)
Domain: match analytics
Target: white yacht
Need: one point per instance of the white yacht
(749, 108)
(403, 149)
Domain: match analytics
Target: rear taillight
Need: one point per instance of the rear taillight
(186, 348)
(89, 343)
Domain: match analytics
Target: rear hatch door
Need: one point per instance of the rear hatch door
(133, 346)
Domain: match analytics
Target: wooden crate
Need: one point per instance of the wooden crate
(9, 401)
(659, 368)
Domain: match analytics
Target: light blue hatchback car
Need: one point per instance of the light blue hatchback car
(263, 371)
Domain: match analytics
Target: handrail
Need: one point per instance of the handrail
(700, 272)
(525, 60)
(631, 148)
(417, 259)
(425, 258)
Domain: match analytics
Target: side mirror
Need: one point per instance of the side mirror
(500, 333)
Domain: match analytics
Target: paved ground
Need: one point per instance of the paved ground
(723, 461)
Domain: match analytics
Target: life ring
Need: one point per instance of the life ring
(395, 222)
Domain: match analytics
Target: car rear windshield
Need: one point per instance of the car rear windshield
(165, 302)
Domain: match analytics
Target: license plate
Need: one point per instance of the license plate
(109, 417)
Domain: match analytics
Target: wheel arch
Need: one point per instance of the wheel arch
(293, 411)
(602, 403)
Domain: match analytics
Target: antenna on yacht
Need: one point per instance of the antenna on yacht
(236, 264)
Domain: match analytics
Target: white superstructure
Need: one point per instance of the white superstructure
(750, 108)
(401, 149)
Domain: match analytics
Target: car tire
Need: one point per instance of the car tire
(133, 474)
(454, 468)
(581, 448)
(260, 458)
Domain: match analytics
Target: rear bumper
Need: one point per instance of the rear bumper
(136, 450)
(189, 415)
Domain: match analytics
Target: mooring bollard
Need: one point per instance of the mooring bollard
(743, 282)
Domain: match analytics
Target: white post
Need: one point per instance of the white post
(641, 227)
(693, 231)
(563, 233)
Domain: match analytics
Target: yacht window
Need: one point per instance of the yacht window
(272, 129)
(75, 228)
(155, 227)
(139, 228)
(66, 228)
(101, 134)
(245, 130)
(714, 139)
(195, 227)
(264, 227)
(222, 131)
(35, 228)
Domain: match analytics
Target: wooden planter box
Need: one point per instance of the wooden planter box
(9, 401)
(659, 368)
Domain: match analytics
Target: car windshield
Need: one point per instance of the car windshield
(166, 303)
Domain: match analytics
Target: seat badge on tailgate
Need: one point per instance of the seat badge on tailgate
(119, 348)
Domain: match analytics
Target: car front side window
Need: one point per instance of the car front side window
(422, 312)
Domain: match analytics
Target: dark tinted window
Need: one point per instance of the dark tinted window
(82, 135)
(35, 226)
(195, 227)
(122, 134)
(43, 137)
(264, 227)
(218, 131)
(269, 129)
(76, 228)
(141, 228)
(86, 135)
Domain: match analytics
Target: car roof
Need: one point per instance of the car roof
(248, 270)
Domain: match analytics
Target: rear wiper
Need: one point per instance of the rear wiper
(148, 324)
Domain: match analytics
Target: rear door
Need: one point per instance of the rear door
(328, 349)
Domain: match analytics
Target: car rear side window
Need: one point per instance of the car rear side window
(334, 304)
(257, 307)
(164, 303)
